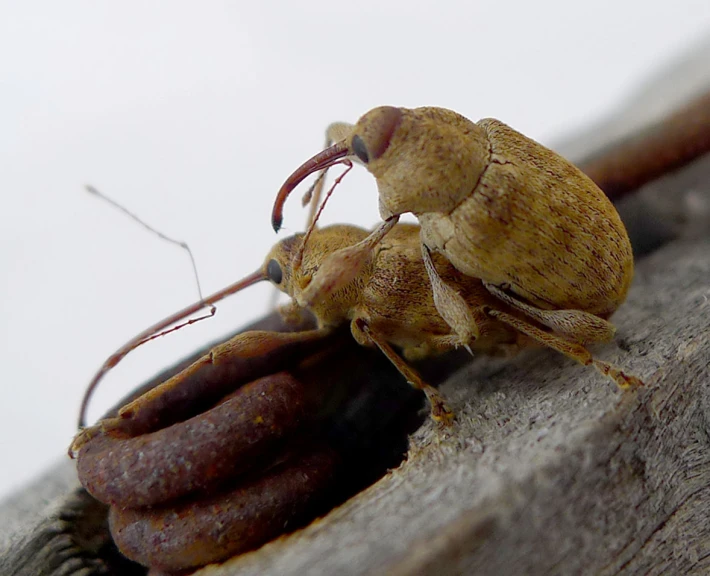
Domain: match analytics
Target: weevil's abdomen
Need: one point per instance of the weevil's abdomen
(537, 223)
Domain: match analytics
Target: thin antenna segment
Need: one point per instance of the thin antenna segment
(148, 227)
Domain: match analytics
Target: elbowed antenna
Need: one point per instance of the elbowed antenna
(156, 329)
(324, 159)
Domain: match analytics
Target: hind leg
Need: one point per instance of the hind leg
(575, 324)
(573, 350)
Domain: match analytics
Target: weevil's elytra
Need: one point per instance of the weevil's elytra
(498, 205)
(561, 242)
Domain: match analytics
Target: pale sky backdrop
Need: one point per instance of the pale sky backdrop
(192, 114)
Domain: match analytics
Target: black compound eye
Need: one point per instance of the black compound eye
(360, 149)
(274, 272)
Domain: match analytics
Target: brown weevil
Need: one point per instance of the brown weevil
(389, 302)
(541, 236)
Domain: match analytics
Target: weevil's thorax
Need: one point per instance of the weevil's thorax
(434, 161)
(334, 308)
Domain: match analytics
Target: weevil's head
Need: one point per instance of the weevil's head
(291, 268)
(424, 159)
(367, 141)
(278, 266)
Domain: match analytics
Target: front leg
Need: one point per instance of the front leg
(451, 306)
(245, 357)
(343, 266)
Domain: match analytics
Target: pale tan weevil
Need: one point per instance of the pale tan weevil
(539, 233)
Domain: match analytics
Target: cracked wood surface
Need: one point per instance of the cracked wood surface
(549, 469)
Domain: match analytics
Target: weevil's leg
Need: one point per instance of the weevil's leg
(573, 350)
(439, 410)
(343, 266)
(248, 356)
(450, 305)
(245, 357)
(578, 325)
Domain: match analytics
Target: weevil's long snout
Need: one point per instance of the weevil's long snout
(328, 157)
(162, 327)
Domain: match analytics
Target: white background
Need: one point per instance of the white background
(193, 114)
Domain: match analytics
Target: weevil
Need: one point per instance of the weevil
(388, 303)
(538, 233)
